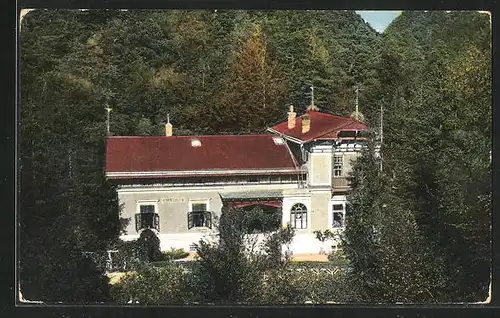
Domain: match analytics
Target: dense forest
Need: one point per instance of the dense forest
(218, 71)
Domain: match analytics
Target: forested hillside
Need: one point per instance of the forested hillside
(237, 72)
(431, 206)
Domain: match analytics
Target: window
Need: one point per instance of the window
(195, 207)
(195, 143)
(298, 216)
(253, 179)
(147, 208)
(147, 218)
(278, 140)
(275, 179)
(198, 215)
(285, 179)
(338, 216)
(337, 166)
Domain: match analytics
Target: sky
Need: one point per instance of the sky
(378, 20)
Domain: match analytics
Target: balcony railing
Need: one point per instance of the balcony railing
(199, 219)
(340, 183)
(147, 221)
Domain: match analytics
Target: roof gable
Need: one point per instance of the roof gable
(323, 126)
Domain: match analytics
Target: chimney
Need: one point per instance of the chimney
(291, 118)
(306, 123)
(168, 127)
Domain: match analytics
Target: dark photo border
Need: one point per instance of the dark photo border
(10, 306)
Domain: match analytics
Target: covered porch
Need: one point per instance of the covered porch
(265, 207)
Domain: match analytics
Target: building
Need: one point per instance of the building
(177, 185)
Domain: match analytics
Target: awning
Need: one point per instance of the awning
(247, 195)
(241, 204)
(246, 198)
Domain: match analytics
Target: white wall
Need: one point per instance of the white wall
(307, 243)
(172, 204)
(320, 169)
(303, 243)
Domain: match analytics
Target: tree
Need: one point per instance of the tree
(252, 96)
(385, 247)
(232, 268)
(62, 154)
(363, 218)
(444, 169)
(148, 246)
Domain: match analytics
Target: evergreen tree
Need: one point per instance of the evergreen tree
(434, 168)
(388, 254)
(252, 97)
(360, 240)
(62, 154)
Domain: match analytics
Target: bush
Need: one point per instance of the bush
(148, 246)
(330, 285)
(262, 219)
(126, 258)
(161, 263)
(169, 256)
(133, 254)
(338, 258)
(175, 254)
(318, 282)
(273, 247)
(231, 270)
(154, 286)
(283, 286)
(229, 275)
(326, 235)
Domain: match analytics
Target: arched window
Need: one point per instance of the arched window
(298, 216)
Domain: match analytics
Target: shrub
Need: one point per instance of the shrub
(169, 256)
(153, 286)
(230, 270)
(148, 246)
(127, 256)
(175, 254)
(338, 258)
(329, 285)
(283, 286)
(161, 263)
(133, 254)
(326, 235)
(229, 275)
(273, 247)
(316, 282)
(261, 219)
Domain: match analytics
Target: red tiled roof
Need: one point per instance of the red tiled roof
(175, 155)
(323, 126)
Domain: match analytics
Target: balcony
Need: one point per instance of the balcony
(199, 219)
(340, 184)
(147, 221)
